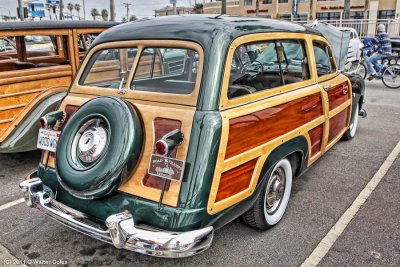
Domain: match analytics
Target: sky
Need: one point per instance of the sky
(140, 8)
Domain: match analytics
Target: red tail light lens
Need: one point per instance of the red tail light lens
(43, 123)
(161, 148)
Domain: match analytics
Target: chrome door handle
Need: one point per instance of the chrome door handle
(326, 87)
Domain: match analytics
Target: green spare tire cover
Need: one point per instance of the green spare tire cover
(99, 147)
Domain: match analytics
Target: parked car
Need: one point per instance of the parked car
(37, 62)
(153, 158)
(355, 45)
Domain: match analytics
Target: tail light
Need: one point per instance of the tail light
(168, 142)
(50, 119)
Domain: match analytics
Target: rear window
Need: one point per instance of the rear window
(166, 70)
(109, 68)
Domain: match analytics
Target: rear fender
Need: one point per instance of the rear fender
(24, 137)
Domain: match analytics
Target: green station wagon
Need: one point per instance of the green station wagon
(174, 127)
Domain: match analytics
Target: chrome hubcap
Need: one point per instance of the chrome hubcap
(90, 142)
(275, 190)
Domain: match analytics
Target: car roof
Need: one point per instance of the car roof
(198, 28)
(65, 24)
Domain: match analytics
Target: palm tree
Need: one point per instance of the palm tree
(78, 8)
(223, 7)
(257, 7)
(104, 14)
(112, 10)
(94, 12)
(48, 7)
(61, 10)
(132, 18)
(346, 10)
(198, 8)
(70, 7)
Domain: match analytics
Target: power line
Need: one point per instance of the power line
(127, 5)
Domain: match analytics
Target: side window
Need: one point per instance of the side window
(323, 59)
(265, 65)
(32, 52)
(85, 42)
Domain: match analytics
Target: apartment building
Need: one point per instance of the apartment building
(300, 10)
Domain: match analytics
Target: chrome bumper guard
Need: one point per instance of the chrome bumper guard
(119, 229)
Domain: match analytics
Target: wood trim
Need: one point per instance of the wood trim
(37, 77)
(336, 96)
(149, 113)
(34, 32)
(27, 108)
(316, 135)
(254, 129)
(337, 124)
(235, 180)
(261, 152)
(189, 100)
(226, 103)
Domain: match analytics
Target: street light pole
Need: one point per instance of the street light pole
(84, 10)
(20, 10)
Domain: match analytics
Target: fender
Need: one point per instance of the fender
(358, 89)
(24, 137)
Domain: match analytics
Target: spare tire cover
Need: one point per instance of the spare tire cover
(99, 147)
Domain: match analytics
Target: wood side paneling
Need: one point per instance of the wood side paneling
(161, 127)
(249, 131)
(337, 124)
(338, 96)
(236, 180)
(316, 139)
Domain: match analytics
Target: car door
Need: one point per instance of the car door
(337, 92)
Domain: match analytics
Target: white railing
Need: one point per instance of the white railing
(366, 27)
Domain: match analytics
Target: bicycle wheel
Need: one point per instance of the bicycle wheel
(391, 76)
(359, 68)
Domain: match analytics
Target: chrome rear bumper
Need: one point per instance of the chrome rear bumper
(119, 229)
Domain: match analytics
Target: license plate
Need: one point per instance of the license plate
(48, 139)
(167, 168)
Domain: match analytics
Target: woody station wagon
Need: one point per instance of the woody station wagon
(175, 126)
(37, 62)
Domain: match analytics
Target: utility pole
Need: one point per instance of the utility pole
(223, 7)
(61, 10)
(20, 10)
(112, 10)
(127, 10)
(84, 10)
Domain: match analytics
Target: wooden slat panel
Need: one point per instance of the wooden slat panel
(316, 139)
(161, 127)
(337, 124)
(17, 100)
(10, 113)
(336, 96)
(249, 131)
(4, 126)
(34, 85)
(236, 180)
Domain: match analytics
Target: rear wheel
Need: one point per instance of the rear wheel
(271, 204)
(391, 76)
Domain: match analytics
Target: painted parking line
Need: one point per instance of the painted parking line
(327, 242)
(11, 204)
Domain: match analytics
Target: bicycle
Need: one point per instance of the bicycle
(389, 74)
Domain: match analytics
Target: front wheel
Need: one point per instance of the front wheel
(391, 76)
(271, 204)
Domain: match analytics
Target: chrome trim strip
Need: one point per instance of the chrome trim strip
(119, 229)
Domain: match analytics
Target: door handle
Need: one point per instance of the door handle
(326, 87)
(345, 89)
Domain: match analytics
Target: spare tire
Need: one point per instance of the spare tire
(99, 147)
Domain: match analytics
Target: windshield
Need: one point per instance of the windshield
(166, 70)
(109, 68)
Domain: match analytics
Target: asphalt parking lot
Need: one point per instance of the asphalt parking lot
(319, 199)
